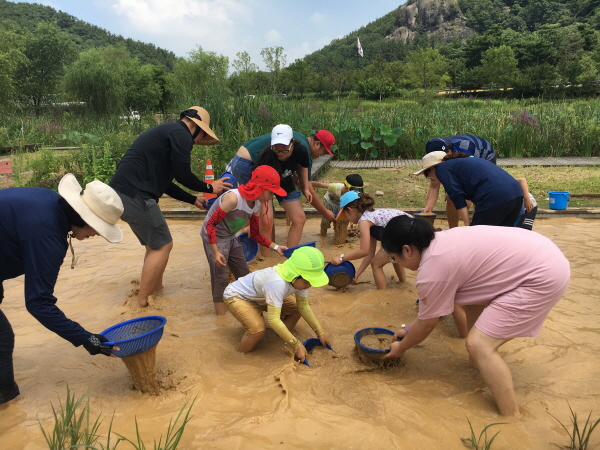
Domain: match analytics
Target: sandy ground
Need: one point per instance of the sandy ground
(264, 399)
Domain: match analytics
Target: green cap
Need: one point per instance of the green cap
(305, 262)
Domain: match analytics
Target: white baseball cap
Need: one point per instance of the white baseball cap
(281, 134)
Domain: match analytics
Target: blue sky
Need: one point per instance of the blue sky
(229, 26)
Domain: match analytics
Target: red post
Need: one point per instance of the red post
(5, 168)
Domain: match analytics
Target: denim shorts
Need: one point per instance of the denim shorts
(240, 168)
(146, 220)
(292, 196)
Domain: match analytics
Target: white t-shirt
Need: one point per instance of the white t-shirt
(265, 287)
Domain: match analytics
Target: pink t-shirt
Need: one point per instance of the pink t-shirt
(480, 264)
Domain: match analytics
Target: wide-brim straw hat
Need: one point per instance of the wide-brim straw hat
(98, 205)
(201, 117)
(430, 160)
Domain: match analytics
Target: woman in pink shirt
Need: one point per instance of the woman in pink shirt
(507, 279)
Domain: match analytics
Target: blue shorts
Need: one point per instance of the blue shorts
(240, 168)
(291, 197)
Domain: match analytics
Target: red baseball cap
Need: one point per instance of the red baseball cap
(263, 178)
(327, 139)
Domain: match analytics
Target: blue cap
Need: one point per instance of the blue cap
(442, 144)
(348, 197)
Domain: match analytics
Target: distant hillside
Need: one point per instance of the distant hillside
(448, 25)
(84, 35)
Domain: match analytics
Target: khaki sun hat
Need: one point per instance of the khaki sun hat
(201, 118)
(430, 160)
(98, 205)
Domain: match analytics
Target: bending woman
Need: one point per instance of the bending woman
(497, 196)
(507, 279)
(291, 154)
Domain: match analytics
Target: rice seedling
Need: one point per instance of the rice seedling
(74, 427)
(174, 432)
(475, 442)
(579, 438)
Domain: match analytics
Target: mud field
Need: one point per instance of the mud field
(265, 400)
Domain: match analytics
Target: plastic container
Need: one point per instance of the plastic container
(311, 343)
(340, 276)
(429, 217)
(135, 336)
(210, 202)
(372, 331)
(558, 199)
(287, 253)
(249, 246)
(231, 180)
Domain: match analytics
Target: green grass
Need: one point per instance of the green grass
(404, 190)
(482, 442)
(363, 129)
(579, 438)
(74, 428)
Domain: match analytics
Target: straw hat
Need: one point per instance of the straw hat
(430, 160)
(98, 205)
(201, 118)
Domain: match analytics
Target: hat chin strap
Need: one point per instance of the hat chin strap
(196, 133)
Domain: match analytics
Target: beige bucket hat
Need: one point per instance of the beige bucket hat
(430, 160)
(201, 118)
(98, 205)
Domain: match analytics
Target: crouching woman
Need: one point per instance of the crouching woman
(507, 279)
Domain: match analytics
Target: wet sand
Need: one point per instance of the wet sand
(264, 399)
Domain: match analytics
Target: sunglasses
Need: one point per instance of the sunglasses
(426, 173)
(392, 259)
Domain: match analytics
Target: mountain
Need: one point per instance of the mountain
(84, 35)
(465, 29)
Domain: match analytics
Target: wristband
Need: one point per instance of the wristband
(407, 328)
(275, 248)
(342, 257)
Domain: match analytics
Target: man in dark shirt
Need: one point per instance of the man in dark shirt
(34, 224)
(146, 172)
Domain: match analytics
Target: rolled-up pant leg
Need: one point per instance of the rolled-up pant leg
(8, 387)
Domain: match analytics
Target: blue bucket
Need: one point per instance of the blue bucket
(249, 246)
(231, 180)
(558, 199)
(135, 336)
(287, 253)
(372, 331)
(210, 202)
(340, 276)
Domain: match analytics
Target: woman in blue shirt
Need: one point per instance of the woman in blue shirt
(34, 226)
(497, 196)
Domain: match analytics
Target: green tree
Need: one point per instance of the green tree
(244, 72)
(300, 76)
(274, 59)
(110, 81)
(11, 56)
(201, 78)
(48, 52)
(426, 69)
(499, 66)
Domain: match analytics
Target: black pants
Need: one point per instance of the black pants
(504, 215)
(526, 220)
(8, 387)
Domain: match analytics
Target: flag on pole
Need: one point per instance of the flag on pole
(360, 49)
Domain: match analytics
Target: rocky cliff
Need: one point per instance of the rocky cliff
(441, 17)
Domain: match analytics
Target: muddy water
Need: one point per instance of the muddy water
(264, 399)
